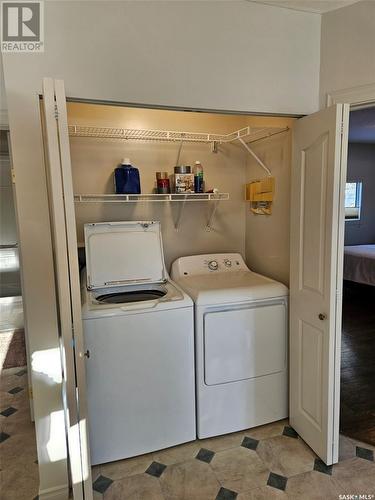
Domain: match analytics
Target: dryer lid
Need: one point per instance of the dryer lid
(124, 253)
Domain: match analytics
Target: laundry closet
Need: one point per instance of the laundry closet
(237, 229)
(221, 223)
(126, 241)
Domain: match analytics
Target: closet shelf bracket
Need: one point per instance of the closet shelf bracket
(212, 214)
(213, 199)
(179, 215)
(255, 156)
(214, 148)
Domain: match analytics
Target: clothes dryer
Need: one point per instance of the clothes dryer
(241, 326)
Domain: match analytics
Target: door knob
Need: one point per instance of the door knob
(322, 316)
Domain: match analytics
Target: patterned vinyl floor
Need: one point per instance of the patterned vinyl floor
(262, 463)
(18, 459)
(266, 462)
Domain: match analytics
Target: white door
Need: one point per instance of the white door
(63, 229)
(317, 229)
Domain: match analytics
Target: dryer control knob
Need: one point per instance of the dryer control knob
(228, 263)
(213, 265)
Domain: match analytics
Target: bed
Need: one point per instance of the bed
(359, 264)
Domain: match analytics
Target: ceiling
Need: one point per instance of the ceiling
(362, 126)
(317, 6)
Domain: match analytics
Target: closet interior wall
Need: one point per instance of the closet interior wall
(93, 162)
(267, 237)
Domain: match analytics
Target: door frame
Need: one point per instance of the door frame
(356, 97)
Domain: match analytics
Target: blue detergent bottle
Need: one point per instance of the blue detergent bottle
(127, 179)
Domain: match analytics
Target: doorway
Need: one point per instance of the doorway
(357, 404)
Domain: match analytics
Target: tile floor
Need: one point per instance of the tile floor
(262, 463)
(266, 462)
(18, 459)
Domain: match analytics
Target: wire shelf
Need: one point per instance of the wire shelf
(249, 134)
(134, 198)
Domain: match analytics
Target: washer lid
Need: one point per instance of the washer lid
(124, 253)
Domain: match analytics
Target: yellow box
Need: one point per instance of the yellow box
(260, 194)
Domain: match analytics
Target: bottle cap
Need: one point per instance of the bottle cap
(126, 161)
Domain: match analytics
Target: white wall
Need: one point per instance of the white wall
(231, 55)
(3, 101)
(347, 51)
(221, 55)
(361, 167)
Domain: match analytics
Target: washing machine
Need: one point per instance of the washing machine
(139, 340)
(241, 326)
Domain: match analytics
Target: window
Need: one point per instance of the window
(353, 198)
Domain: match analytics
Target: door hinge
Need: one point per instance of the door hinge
(56, 112)
(13, 175)
(30, 393)
(342, 128)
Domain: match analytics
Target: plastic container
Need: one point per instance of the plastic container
(127, 179)
(198, 178)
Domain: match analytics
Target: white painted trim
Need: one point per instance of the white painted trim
(339, 283)
(364, 94)
(60, 492)
(355, 97)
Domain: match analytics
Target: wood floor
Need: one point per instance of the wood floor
(357, 412)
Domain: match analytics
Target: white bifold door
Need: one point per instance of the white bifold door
(317, 240)
(63, 231)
